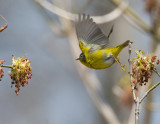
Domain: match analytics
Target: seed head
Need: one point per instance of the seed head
(20, 73)
(142, 68)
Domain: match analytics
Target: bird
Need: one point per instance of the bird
(96, 53)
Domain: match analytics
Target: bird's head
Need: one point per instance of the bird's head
(82, 58)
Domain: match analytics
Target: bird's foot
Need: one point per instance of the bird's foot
(118, 62)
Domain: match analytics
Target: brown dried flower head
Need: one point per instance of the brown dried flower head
(20, 73)
(142, 68)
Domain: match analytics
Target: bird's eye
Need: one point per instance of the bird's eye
(82, 57)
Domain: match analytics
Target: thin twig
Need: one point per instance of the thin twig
(70, 16)
(4, 19)
(152, 88)
(7, 66)
(137, 110)
(136, 99)
(130, 71)
(141, 91)
(5, 25)
(132, 116)
(156, 72)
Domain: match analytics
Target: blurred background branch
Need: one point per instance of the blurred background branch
(5, 25)
(70, 16)
(129, 13)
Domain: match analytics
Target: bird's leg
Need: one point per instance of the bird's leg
(118, 62)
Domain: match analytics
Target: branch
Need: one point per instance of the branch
(7, 66)
(152, 88)
(130, 72)
(132, 116)
(4, 19)
(5, 25)
(70, 16)
(135, 18)
(136, 99)
(156, 72)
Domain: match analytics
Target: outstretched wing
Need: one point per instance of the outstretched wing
(89, 34)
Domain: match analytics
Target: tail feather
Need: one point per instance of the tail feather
(126, 43)
(118, 49)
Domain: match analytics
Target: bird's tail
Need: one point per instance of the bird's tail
(126, 43)
(118, 49)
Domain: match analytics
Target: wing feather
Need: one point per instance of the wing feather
(88, 31)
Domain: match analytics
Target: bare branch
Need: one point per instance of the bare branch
(98, 19)
(156, 72)
(130, 72)
(135, 18)
(5, 25)
(146, 93)
(132, 116)
(136, 99)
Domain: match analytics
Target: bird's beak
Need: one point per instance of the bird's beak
(77, 59)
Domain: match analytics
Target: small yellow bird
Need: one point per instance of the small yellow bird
(93, 44)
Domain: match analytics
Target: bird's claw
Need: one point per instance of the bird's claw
(118, 62)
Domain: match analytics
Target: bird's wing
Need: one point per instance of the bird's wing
(89, 34)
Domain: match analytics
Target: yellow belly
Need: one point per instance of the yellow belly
(100, 64)
(100, 60)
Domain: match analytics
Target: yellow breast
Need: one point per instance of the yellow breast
(100, 59)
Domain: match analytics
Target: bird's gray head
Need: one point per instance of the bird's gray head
(82, 57)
